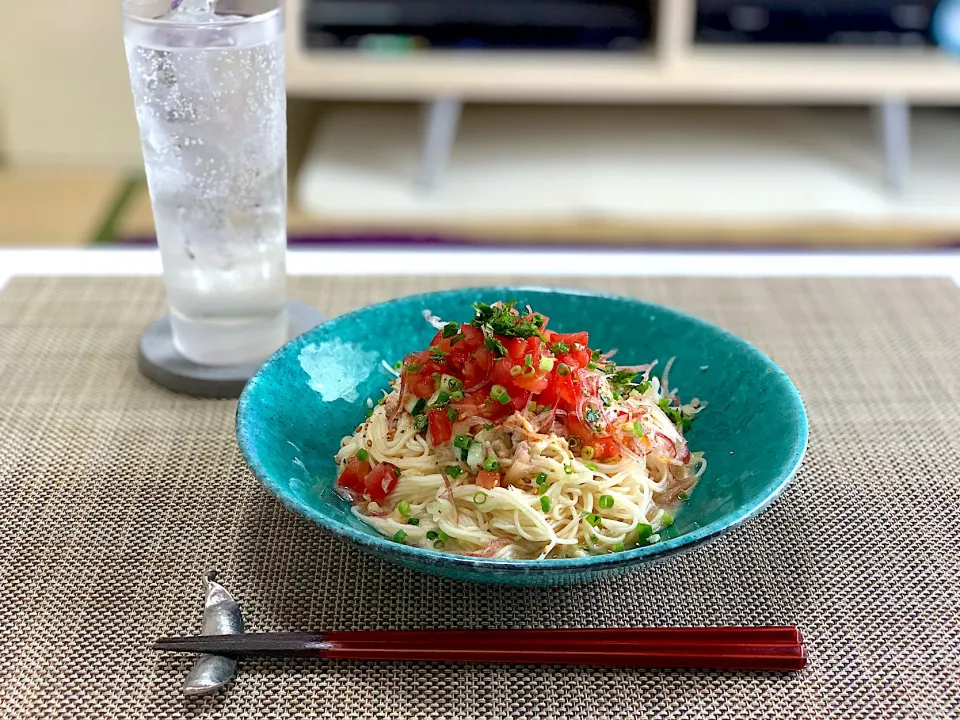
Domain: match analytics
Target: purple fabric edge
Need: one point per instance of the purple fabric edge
(387, 240)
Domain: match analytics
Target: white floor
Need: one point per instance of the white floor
(734, 164)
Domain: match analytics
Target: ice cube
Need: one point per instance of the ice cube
(192, 10)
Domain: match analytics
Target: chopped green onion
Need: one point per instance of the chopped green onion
(454, 384)
(474, 456)
(480, 497)
(563, 369)
(591, 366)
(432, 535)
(438, 544)
(462, 441)
(546, 364)
(592, 466)
(606, 502)
(595, 355)
(643, 386)
(666, 520)
(539, 320)
(491, 463)
(464, 454)
(528, 360)
(545, 503)
(456, 395)
(643, 531)
(637, 429)
(450, 329)
(437, 354)
(453, 471)
(443, 536)
(500, 394)
(618, 547)
(398, 364)
(516, 370)
(419, 407)
(363, 455)
(414, 367)
(587, 452)
(653, 539)
(593, 519)
(452, 414)
(543, 489)
(403, 507)
(568, 469)
(456, 338)
(684, 496)
(420, 423)
(559, 347)
(400, 536)
(442, 399)
(542, 479)
(413, 521)
(488, 426)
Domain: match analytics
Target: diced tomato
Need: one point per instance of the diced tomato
(560, 392)
(500, 375)
(578, 357)
(549, 394)
(381, 481)
(488, 479)
(575, 427)
(420, 382)
(472, 337)
(534, 383)
(534, 347)
(516, 347)
(605, 448)
(519, 400)
(580, 338)
(353, 475)
(441, 429)
(476, 368)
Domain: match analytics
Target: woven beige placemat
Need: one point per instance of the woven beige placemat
(118, 495)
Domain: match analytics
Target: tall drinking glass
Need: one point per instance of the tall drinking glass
(208, 86)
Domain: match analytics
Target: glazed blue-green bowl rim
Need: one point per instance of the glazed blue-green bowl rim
(378, 545)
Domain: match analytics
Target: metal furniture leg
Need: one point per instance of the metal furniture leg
(439, 132)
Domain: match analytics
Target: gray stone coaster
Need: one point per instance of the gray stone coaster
(159, 360)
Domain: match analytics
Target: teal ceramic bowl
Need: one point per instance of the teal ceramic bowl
(313, 391)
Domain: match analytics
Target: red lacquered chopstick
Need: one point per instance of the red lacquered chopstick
(700, 635)
(704, 648)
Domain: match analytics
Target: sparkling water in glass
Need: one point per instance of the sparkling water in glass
(208, 86)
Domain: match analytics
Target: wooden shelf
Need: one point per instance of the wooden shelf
(674, 70)
(799, 75)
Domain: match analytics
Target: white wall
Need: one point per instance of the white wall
(64, 90)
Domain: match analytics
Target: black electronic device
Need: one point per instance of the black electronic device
(840, 22)
(398, 25)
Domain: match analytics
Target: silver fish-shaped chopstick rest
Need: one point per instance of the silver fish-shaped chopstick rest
(221, 616)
